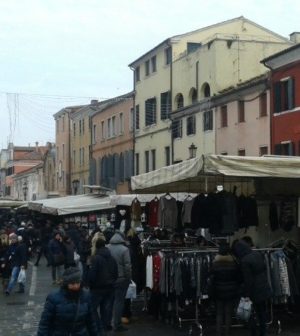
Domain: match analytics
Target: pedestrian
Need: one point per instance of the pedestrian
(44, 237)
(256, 285)
(103, 274)
(57, 256)
(69, 248)
(120, 252)
(16, 257)
(68, 310)
(224, 282)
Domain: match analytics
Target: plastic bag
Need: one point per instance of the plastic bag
(76, 257)
(22, 277)
(131, 291)
(244, 309)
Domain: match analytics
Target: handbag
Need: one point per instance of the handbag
(22, 277)
(131, 291)
(244, 309)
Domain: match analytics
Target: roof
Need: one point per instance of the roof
(29, 170)
(282, 52)
(68, 109)
(180, 36)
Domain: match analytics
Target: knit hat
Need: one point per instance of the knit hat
(71, 275)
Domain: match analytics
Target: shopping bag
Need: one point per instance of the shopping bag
(131, 291)
(244, 309)
(22, 277)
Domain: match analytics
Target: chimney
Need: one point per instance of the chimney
(36, 146)
(295, 37)
(94, 101)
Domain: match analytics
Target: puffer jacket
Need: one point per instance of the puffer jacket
(60, 311)
(226, 278)
(121, 254)
(256, 285)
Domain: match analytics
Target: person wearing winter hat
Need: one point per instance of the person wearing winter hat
(68, 310)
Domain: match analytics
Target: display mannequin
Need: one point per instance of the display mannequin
(122, 222)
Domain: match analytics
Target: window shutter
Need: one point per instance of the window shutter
(126, 165)
(131, 158)
(291, 149)
(291, 93)
(121, 167)
(117, 169)
(277, 97)
(277, 149)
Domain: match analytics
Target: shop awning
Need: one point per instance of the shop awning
(71, 204)
(206, 172)
(4, 203)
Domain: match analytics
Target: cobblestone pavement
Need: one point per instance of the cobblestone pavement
(20, 314)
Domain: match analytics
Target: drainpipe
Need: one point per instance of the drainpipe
(171, 94)
(133, 127)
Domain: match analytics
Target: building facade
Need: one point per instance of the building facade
(285, 100)
(184, 70)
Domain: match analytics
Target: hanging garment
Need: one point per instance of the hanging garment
(167, 214)
(152, 212)
(136, 212)
(273, 216)
(186, 213)
(149, 272)
(287, 218)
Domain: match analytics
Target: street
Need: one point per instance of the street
(20, 313)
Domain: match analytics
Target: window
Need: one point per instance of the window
(263, 105)
(102, 130)
(94, 133)
(63, 123)
(165, 105)
(137, 74)
(208, 120)
(193, 95)
(241, 111)
(80, 129)
(206, 90)
(224, 153)
(153, 158)
(153, 63)
(147, 166)
(131, 121)
(179, 100)
(224, 116)
(285, 148)
(57, 153)
(147, 68)
(168, 55)
(109, 128)
(150, 108)
(177, 129)
(121, 120)
(82, 156)
(137, 163)
(74, 129)
(113, 126)
(137, 117)
(167, 156)
(82, 126)
(57, 125)
(241, 152)
(74, 157)
(284, 95)
(63, 151)
(191, 125)
(263, 150)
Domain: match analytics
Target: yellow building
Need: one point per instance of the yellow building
(186, 69)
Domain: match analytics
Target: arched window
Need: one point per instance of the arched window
(179, 100)
(206, 90)
(193, 96)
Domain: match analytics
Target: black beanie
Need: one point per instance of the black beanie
(71, 275)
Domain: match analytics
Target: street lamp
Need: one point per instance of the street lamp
(192, 151)
(25, 189)
(75, 186)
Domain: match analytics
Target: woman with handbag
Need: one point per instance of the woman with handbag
(68, 310)
(224, 287)
(256, 285)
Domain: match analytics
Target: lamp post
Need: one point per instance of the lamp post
(25, 189)
(192, 151)
(75, 184)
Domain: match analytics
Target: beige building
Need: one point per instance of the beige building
(184, 70)
(63, 143)
(112, 143)
(49, 171)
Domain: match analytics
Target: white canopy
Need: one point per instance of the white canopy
(71, 204)
(205, 172)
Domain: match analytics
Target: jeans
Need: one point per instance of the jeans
(120, 293)
(56, 273)
(13, 279)
(102, 303)
(224, 312)
(258, 320)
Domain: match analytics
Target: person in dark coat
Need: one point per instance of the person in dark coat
(68, 310)
(256, 285)
(69, 249)
(225, 286)
(16, 257)
(103, 274)
(57, 256)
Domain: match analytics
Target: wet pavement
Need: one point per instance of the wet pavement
(20, 314)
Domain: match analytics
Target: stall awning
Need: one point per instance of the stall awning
(205, 172)
(71, 204)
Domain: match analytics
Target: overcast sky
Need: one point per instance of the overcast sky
(50, 49)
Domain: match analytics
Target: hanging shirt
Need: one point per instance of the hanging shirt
(152, 214)
(187, 211)
(149, 272)
(167, 213)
